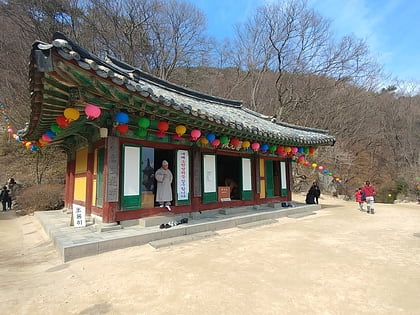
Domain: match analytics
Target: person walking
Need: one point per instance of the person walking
(359, 198)
(370, 194)
(164, 179)
(4, 197)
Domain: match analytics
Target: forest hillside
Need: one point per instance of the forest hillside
(283, 62)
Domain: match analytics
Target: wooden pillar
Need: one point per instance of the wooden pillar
(69, 192)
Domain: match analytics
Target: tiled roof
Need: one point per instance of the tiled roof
(229, 113)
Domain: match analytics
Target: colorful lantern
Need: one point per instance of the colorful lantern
(143, 122)
(204, 141)
(255, 146)
(235, 142)
(71, 114)
(320, 167)
(215, 143)
(122, 128)
(314, 165)
(180, 130)
(122, 118)
(10, 130)
(62, 121)
(210, 137)
(264, 147)
(246, 144)
(50, 134)
(92, 111)
(56, 129)
(273, 148)
(294, 150)
(141, 132)
(195, 134)
(287, 149)
(224, 140)
(162, 126)
(46, 138)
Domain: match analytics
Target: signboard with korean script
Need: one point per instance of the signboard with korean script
(79, 216)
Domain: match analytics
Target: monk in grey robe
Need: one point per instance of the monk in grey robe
(164, 179)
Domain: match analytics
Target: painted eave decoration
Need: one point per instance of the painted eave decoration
(66, 77)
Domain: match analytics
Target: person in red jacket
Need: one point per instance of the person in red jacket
(370, 194)
(358, 194)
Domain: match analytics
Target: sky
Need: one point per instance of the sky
(391, 28)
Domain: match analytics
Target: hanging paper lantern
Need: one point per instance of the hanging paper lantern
(141, 132)
(71, 114)
(122, 128)
(246, 144)
(162, 126)
(92, 111)
(143, 122)
(62, 121)
(210, 137)
(314, 165)
(122, 118)
(320, 167)
(283, 153)
(204, 141)
(255, 146)
(195, 134)
(224, 140)
(294, 150)
(10, 130)
(325, 171)
(264, 147)
(235, 142)
(46, 138)
(28, 144)
(180, 130)
(56, 129)
(311, 150)
(306, 163)
(215, 143)
(301, 159)
(306, 150)
(300, 150)
(330, 174)
(287, 149)
(273, 148)
(50, 134)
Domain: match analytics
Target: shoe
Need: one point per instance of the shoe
(162, 226)
(161, 205)
(372, 212)
(167, 226)
(169, 208)
(368, 211)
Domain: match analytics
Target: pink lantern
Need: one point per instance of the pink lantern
(294, 150)
(46, 138)
(92, 111)
(215, 143)
(301, 159)
(255, 146)
(10, 130)
(195, 134)
(320, 167)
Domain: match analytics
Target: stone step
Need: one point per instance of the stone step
(181, 239)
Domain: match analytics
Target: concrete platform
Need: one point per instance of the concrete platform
(76, 242)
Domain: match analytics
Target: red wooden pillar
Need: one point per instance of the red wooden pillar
(69, 192)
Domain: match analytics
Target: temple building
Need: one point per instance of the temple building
(118, 123)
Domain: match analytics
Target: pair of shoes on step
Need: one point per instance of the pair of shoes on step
(164, 226)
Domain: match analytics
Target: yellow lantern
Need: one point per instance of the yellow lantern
(71, 114)
(204, 141)
(180, 130)
(245, 144)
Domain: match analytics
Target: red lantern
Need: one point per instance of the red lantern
(122, 128)
(162, 126)
(235, 142)
(62, 121)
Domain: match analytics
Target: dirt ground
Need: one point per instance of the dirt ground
(338, 261)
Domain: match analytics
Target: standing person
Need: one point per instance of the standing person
(370, 194)
(164, 179)
(12, 186)
(4, 196)
(359, 198)
(315, 191)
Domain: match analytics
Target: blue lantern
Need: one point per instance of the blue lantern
(122, 118)
(210, 137)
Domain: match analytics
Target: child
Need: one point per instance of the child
(359, 198)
